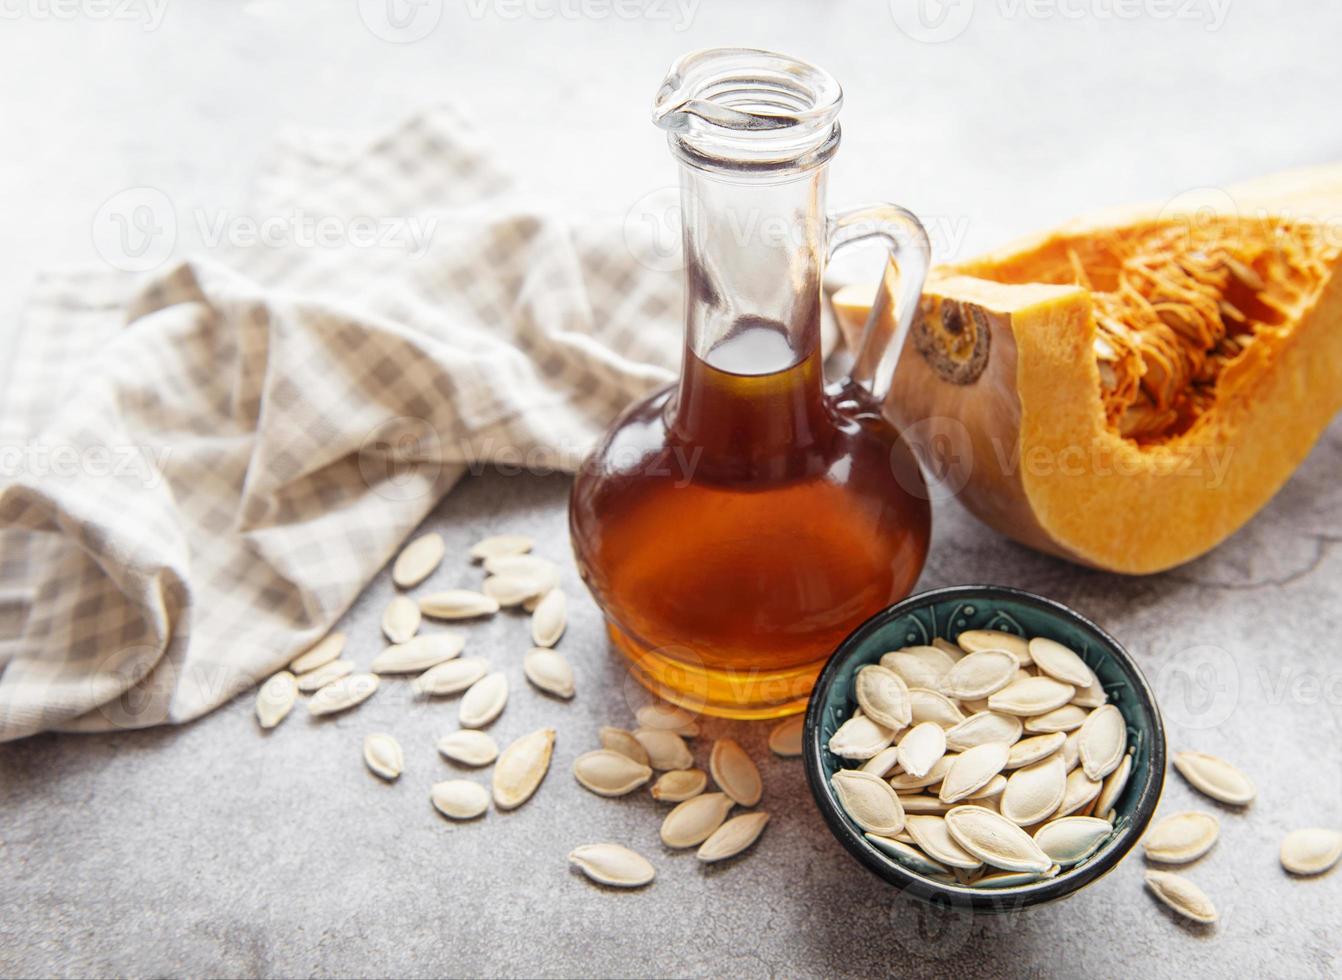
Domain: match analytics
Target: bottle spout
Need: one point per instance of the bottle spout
(675, 111)
(748, 109)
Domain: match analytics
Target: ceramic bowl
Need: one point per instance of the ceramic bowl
(948, 612)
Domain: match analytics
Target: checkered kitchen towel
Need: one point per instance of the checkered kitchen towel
(202, 469)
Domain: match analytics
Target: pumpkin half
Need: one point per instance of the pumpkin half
(1127, 390)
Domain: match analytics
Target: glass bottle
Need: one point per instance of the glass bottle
(735, 527)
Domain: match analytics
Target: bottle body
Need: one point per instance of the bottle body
(733, 550)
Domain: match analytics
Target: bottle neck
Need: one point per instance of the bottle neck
(754, 256)
(750, 395)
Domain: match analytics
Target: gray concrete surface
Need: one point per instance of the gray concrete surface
(214, 849)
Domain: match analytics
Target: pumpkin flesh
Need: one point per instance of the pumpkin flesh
(1127, 391)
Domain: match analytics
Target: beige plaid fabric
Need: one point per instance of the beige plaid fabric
(199, 470)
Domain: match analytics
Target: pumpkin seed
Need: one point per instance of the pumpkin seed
(912, 669)
(927, 705)
(860, 738)
(315, 680)
(483, 701)
(679, 785)
(549, 671)
(995, 840)
(517, 578)
(328, 648)
(933, 836)
(982, 728)
(1081, 789)
(1010, 879)
(527, 566)
(980, 675)
(1114, 784)
(276, 699)
(1181, 838)
(401, 619)
(459, 799)
(1034, 792)
(1068, 718)
(1091, 697)
(512, 590)
(1032, 696)
(1071, 751)
(1072, 839)
(733, 837)
(613, 865)
(499, 545)
(1103, 741)
(904, 783)
(972, 770)
(884, 696)
(549, 619)
(666, 750)
(907, 855)
(693, 822)
(922, 803)
(869, 801)
(952, 650)
(785, 737)
(921, 747)
(1311, 851)
(1214, 777)
(934, 657)
(608, 773)
(667, 717)
(1061, 663)
(972, 641)
(882, 762)
(451, 677)
(343, 694)
(1181, 895)
(1034, 749)
(469, 747)
(458, 604)
(521, 767)
(735, 772)
(623, 742)
(383, 755)
(986, 794)
(417, 560)
(418, 654)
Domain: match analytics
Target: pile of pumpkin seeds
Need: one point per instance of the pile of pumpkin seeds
(993, 761)
(997, 761)
(628, 760)
(625, 761)
(514, 578)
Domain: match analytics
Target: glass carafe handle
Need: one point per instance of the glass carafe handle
(910, 256)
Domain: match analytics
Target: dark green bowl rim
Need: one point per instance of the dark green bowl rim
(961, 896)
